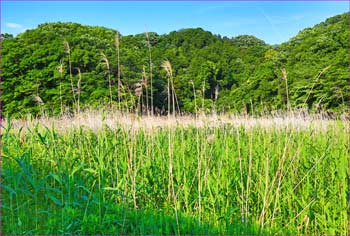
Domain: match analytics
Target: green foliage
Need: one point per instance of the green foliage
(222, 180)
(246, 71)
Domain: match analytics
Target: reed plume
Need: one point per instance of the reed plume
(285, 78)
(68, 51)
(39, 102)
(79, 89)
(166, 65)
(61, 70)
(138, 92)
(105, 62)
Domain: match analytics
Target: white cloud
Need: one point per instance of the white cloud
(13, 25)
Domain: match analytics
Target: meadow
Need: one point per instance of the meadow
(222, 175)
(72, 169)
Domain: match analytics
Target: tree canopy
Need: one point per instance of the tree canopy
(59, 66)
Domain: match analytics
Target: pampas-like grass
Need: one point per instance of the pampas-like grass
(285, 78)
(68, 51)
(105, 62)
(78, 90)
(38, 100)
(138, 89)
(166, 65)
(61, 70)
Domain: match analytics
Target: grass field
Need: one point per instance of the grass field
(221, 175)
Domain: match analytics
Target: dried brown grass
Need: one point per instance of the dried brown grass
(96, 120)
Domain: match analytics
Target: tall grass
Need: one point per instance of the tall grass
(316, 80)
(285, 79)
(145, 84)
(150, 69)
(117, 44)
(105, 62)
(78, 90)
(166, 65)
(216, 178)
(68, 51)
(60, 69)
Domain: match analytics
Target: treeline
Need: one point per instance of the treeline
(67, 67)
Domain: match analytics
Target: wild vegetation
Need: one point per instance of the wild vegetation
(69, 168)
(50, 68)
(215, 178)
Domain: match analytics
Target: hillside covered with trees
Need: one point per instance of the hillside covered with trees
(63, 67)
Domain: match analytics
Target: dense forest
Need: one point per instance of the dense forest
(65, 67)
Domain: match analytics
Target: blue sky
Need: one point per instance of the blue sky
(274, 22)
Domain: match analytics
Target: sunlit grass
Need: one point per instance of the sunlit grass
(205, 176)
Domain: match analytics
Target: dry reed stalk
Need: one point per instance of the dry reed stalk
(150, 69)
(249, 177)
(135, 168)
(285, 78)
(269, 195)
(166, 65)
(198, 154)
(168, 68)
(216, 95)
(280, 175)
(61, 70)
(306, 207)
(168, 71)
(316, 80)
(128, 91)
(145, 84)
(171, 189)
(78, 90)
(265, 199)
(117, 44)
(105, 62)
(138, 89)
(195, 101)
(203, 96)
(241, 173)
(68, 50)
